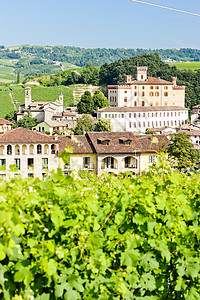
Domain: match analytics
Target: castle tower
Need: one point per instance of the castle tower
(173, 79)
(141, 73)
(27, 97)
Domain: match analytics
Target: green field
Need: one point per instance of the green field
(187, 66)
(6, 104)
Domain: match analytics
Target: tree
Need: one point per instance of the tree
(27, 121)
(11, 116)
(18, 77)
(100, 100)
(103, 125)
(86, 104)
(181, 151)
(84, 124)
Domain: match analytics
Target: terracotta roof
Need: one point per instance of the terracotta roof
(79, 143)
(25, 136)
(3, 121)
(55, 123)
(195, 132)
(139, 143)
(142, 109)
(149, 80)
(59, 114)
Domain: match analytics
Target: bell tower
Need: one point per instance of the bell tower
(141, 73)
(27, 97)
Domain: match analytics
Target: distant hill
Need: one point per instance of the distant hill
(32, 60)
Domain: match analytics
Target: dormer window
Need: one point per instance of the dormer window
(125, 141)
(103, 141)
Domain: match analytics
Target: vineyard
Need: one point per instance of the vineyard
(101, 238)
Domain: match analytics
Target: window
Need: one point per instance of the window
(139, 124)
(143, 114)
(134, 115)
(122, 115)
(157, 87)
(139, 115)
(45, 163)
(143, 103)
(39, 149)
(105, 115)
(17, 163)
(86, 162)
(143, 87)
(151, 94)
(134, 125)
(152, 159)
(129, 115)
(165, 87)
(157, 94)
(165, 94)
(125, 92)
(30, 175)
(135, 87)
(130, 125)
(135, 103)
(151, 87)
(125, 99)
(2, 164)
(30, 163)
(135, 93)
(142, 77)
(9, 150)
(143, 124)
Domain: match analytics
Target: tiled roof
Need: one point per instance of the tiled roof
(79, 143)
(3, 121)
(55, 123)
(25, 136)
(149, 80)
(139, 143)
(194, 132)
(66, 113)
(142, 109)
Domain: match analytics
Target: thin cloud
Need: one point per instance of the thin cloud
(169, 8)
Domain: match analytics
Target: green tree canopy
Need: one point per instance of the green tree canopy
(103, 125)
(100, 100)
(12, 116)
(181, 151)
(86, 104)
(27, 121)
(84, 124)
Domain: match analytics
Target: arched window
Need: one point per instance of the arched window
(165, 87)
(165, 94)
(157, 94)
(143, 87)
(143, 94)
(135, 103)
(143, 103)
(39, 149)
(9, 150)
(151, 94)
(135, 93)
(151, 87)
(157, 87)
(125, 99)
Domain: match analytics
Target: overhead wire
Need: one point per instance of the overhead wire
(166, 7)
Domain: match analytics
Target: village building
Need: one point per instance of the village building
(32, 154)
(195, 116)
(142, 118)
(141, 90)
(5, 125)
(112, 152)
(47, 111)
(52, 127)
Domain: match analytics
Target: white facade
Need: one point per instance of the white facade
(140, 119)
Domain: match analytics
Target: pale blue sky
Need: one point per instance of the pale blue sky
(105, 23)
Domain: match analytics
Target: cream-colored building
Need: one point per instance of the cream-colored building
(27, 153)
(112, 152)
(141, 90)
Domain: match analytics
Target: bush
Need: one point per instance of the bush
(101, 238)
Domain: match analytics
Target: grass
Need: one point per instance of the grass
(187, 66)
(6, 104)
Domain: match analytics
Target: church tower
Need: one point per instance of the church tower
(27, 97)
(61, 98)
